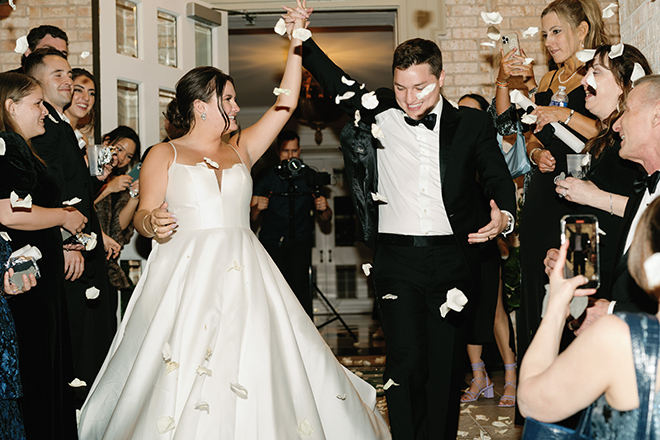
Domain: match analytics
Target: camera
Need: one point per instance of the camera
(290, 169)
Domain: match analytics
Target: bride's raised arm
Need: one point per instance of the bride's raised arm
(257, 138)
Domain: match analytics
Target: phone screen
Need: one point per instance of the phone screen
(582, 258)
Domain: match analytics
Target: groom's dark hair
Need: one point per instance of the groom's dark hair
(418, 51)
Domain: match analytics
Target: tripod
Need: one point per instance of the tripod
(334, 311)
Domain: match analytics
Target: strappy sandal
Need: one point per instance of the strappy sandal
(487, 391)
(506, 397)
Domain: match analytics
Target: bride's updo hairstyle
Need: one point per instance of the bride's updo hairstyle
(200, 83)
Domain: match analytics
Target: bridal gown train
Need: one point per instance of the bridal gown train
(214, 344)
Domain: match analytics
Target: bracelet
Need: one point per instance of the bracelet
(611, 208)
(610, 308)
(501, 85)
(533, 91)
(531, 153)
(569, 117)
(145, 227)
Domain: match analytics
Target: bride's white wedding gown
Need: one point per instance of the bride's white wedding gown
(214, 344)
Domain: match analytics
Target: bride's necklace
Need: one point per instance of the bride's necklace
(569, 78)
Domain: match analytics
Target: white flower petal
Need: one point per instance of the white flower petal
(171, 366)
(528, 61)
(346, 95)
(488, 44)
(380, 360)
(462, 433)
(277, 91)
(280, 27)
(84, 54)
(491, 17)
(302, 34)
(366, 363)
(426, 90)
(608, 11)
(236, 267)
(201, 370)
(366, 268)
(72, 201)
(530, 32)
(209, 353)
(453, 103)
(528, 119)
(586, 55)
(363, 86)
(444, 309)
(341, 396)
(202, 406)
(211, 162)
(481, 417)
(21, 45)
(347, 361)
(165, 424)
(3, 147)
(166, 351)
(652, 269)
(369, 100)
(92, 293)
(5, 236)
(389, 384)
(377, 132)
(305, 428)
(77, 383)
(239, 390)
(499, 424)
(493, 33)
(616, 51)
(503, 418)
(11, 3)
(390, 296)
(15, 203)
(348, 82)
(637, 73)
(456, 299)
(357, 117)
(592, 81)
(379, 198)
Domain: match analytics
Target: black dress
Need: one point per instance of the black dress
(40, 314)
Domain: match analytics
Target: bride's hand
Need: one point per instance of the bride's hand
(297, 17)
(162, 222)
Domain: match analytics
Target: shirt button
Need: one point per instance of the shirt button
(425, 210)
(423, 190)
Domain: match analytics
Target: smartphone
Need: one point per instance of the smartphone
(135, 172)
(509, 42)
(583, 256)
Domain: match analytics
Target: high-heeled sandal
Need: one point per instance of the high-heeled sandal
(487, 391)
(509, 367)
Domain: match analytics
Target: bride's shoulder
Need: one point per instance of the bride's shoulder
(163, 152)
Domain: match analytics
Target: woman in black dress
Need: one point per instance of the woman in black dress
(40, 315)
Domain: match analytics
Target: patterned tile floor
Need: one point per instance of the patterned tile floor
(482, 419)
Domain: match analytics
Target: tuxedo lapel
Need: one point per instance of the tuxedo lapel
(621, 262)
(448, 126)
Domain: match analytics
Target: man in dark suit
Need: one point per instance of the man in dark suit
(639, 128)
(412, 161)
(91, 308)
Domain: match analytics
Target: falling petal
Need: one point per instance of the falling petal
(453, 103)
(528, 61)
(341, 396)
(366, 363)
(209, 353)
(366, 268)
(21, 45)
(280, 27)
(211, 162)
(348, 82)
(379, 198)
(592, 81)
(488, 44)
(377, 132)
(202, 406)
(305, 428)
(277, 91)
(236, 267)
(84, 54)
(302, 34)
(379, 360)
(444, 309)
(11, 3)
(92, 293)
(77, 383)
(347, 361)
(165, 424)
(426, 90)
(369, 100)
(362, 86)
(652, 270)
(616, 51)
(55, 121)
(201, 370)
(357, 117)
(72, 201)
(390, 296)
(491, 17)
(389, 384)
(239, 390)
(493, 33)
(171, 366)
(456, 299)
(166, 352)
(15, 203)
(637, 73)
(3, 147)
(358, 373)
(481, 417)
(530, 32)
(608, 11)
(347, 95)
(528, 119)
(5, 236)
(499, 424)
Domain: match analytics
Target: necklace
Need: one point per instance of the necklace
(569, 78)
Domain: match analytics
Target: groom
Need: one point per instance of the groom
(412, 161)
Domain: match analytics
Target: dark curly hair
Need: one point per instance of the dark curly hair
(418, 51)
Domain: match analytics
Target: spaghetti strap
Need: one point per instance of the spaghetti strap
(174, 148)
(236, 151)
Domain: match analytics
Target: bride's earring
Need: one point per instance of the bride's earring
(581, 44)
(203, 116)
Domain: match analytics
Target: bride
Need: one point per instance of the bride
(214, 344)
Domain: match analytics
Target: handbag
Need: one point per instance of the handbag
(516, 158)
(645, 340)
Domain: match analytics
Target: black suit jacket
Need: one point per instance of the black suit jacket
(468, 147)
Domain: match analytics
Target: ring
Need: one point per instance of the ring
(565, 191)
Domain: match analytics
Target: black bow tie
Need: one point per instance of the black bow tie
(650, 182)
(428, 121)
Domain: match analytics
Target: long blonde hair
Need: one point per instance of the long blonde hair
(574, 12)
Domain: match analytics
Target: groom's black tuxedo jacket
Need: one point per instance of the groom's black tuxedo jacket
(468, 147)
